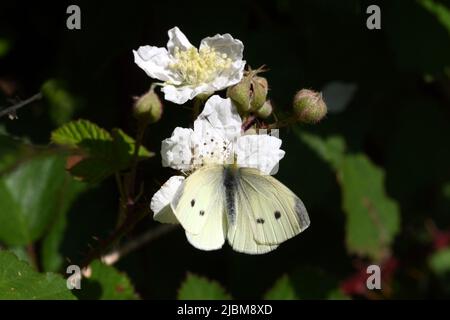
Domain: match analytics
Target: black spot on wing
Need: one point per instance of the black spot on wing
(202, 213)
(192, 202)
(260, 220)
(277, 215)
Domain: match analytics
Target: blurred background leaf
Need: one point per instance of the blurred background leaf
(61, 103)
(439, 261)
(373, 219)
(31, 196)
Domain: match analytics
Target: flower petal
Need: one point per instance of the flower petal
(229, 77)
(177, 39)
(180, 95)
(160, 203)
(220, 118)
(155, 62)
(234, 49)
(259, 151)
(176, 151)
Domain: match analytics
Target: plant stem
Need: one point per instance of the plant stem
(137, 242)
(248, 123)
(14, 108)
(128, 216)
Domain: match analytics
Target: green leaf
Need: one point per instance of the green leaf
(51, 257)
(81, 132)
(439, 261)
(440, 11)
(28, 196)
(106, 283)
(126, 145)
(282, 290)
(373, 219)
(62, 103)
(19, 281)
(104, 153)
(331, 150)
(199, 288)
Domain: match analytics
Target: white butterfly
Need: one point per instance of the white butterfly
(254, 211)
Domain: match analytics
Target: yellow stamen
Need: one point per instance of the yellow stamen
(199, 66)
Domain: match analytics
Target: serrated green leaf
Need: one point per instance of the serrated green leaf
(282, 290)
(199, 288)
(19, 281)
(105, 153)
(106, 283)
(80, 132)
(373, 219)
(28, 196)
(439, 261)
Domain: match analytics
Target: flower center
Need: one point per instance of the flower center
(212, 150)
(199, 66)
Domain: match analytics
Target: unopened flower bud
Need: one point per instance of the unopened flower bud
(265, 111)
(240, 93)
(309, 106)
(250, 94)
(148, 108)
(260, 87)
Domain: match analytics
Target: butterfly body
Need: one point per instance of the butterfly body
(255, 212)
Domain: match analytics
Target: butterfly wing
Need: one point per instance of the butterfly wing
(199, 207)
(275, 213)
(240, 232)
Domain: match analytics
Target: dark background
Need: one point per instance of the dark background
(398, 117)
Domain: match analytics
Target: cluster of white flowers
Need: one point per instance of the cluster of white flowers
(216, 139)
(217, 136)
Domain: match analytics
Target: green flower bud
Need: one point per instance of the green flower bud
(240, 94)
(260, 87)
(265, 111)
(309, 106)
(250, 94)
(148, 108)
